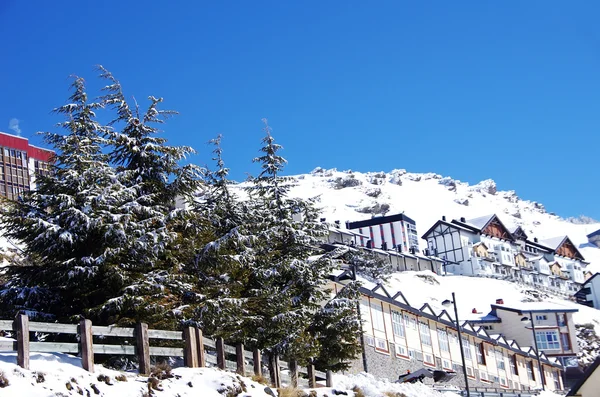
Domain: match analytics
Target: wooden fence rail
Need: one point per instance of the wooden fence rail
(197, 350)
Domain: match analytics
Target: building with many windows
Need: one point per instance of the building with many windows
(485, 246)
(399, 338)
(20, 162)
(393, 232)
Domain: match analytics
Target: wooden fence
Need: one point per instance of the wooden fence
(196, 350)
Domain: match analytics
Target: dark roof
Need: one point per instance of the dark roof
(592, 234)
(458, 227)
(380, 220)
(478, 224)
(588, 372)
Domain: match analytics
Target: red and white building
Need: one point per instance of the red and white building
(20, 162)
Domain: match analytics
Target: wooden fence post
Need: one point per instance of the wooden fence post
(312, 383)
(328, 378)
(293, 367)
(21, 327)
(87, 345)
(274, 370)
(257, 362)
(190, 353)
(142, 348)
(241, 360)
(200, 347)
(220, 353)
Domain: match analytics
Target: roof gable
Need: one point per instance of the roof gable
(568, 249)
(496, 228)
(427, 309)
(519, 233)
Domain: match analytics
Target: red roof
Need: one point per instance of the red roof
(22, 144)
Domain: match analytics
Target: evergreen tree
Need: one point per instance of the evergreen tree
(338, 330)
(66, 221)
(286, 287)
(370, 264)
(149, 170)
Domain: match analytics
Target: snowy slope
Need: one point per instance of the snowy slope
(427, 197)
(61, 375)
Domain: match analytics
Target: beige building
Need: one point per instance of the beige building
(399, 337)
(589, 384)
(553, 323)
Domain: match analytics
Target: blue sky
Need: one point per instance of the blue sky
(473, 90)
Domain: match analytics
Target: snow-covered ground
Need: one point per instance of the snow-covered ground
(427, 197)
(54, 374)
(475, 293)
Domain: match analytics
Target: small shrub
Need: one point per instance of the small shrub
(290, 392)
(394, 394)
(161, 371)
(105, 379)
(260, 379)
(3, 380)
(40, 377)
(121, 378)
(153, 384)
(358, 392)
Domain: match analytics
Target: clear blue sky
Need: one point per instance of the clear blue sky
(477, 89)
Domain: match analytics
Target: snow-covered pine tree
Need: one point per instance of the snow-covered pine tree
(286, 287)
(223, 262)
(367, 263)
(337, 329)
(149, 169)
(65, 223)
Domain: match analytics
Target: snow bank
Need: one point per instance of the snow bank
(55, 374)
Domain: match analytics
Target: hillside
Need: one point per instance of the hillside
(353, 196)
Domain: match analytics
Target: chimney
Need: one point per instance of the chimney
(500, 301)
(384, 246)
(348, 225)
(535, 239)
(474, 311)
(444, 218)
(369, 244)
(337, 224)
(462, 219)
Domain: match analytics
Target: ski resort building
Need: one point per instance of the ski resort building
(20, 162)
(339, 237)
(594, 238)
(399, 338)
(554, 327)
(485, 246)
(589, 294)
(397, 232)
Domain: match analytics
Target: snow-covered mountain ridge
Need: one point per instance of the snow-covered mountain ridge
(426, 197)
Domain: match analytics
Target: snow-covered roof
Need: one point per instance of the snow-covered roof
(553, 242)
(535, 307)
(480, 221)
(483, 318)
(592, 234)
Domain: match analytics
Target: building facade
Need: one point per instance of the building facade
(485, 246)
(589, 294)
(393, 232)
(400, 338)
(20, 162)
(554, 327)
(594, 238)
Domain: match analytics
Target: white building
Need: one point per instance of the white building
(589, 294)
(398, 232)
(485, 246)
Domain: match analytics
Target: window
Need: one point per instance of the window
(470, 372)
(381, 344)
(415, 354)
(483, 376)
(425, 334)
(480, 350)
(503, 381)
(401, 351)
(547, 340)
(565, 341)
(500, 360)
(377, 316)
(541, 317)
(443, 339)
(369, 340)
(410, 322)
(429, 359)
(488, 327)
(513, 365)
(530, 373)
(398, 324)
(457, 367)
(467, 349)
(495, 379)
(446, 364)
(556, 376)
